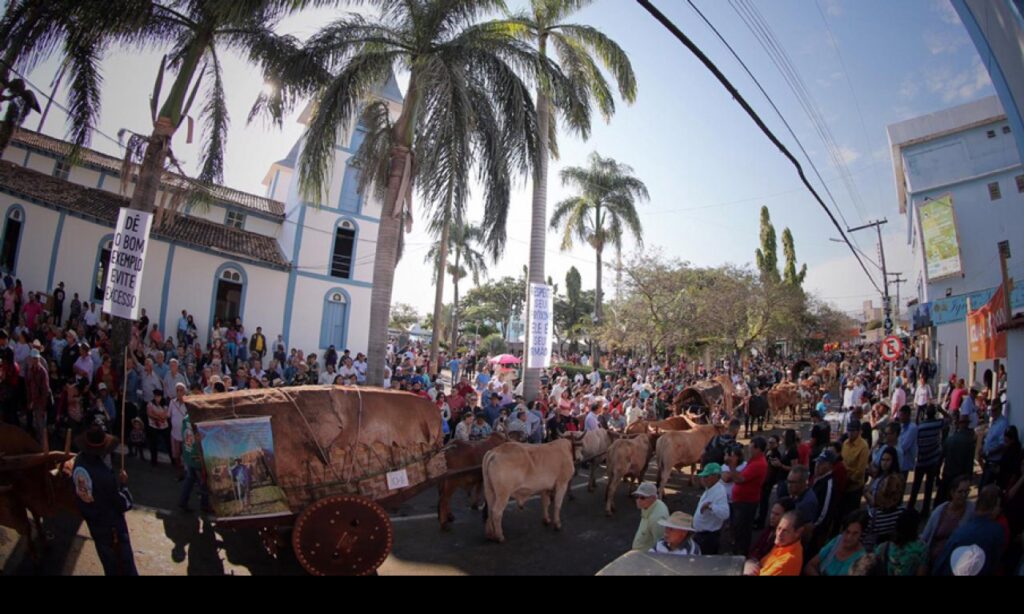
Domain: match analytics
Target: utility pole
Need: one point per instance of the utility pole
(886, 301)
(899, 281)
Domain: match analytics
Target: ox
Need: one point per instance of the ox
(757, 412)
(31, 481)
(462, 455)
(519, 471)
(628, 457)
(675, 423)
(595, 446)
(677, 449)
(782, 397)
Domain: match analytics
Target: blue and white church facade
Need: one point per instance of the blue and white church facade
(299, 269)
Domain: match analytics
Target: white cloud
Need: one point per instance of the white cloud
(848, 154)
(946, 12)
(834, 8)
(961, 86)
(909, 89)
(939, 43)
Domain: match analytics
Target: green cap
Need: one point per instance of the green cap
(710, 469)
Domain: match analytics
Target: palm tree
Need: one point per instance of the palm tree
(467, 261)
(31, 31)
(461, 71)
(601, 214)
(578, 48)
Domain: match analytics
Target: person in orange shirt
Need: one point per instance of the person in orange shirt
(787, 557)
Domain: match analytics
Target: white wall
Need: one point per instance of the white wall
(76, 256)
(37, 231)
(307, 314)
(318, 241)
(262, 226)
(43, 164)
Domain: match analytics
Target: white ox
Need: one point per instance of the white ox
(519, 471)
(595, 445)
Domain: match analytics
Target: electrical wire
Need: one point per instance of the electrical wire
(689, 44)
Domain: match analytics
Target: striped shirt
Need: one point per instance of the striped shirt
(929, 443)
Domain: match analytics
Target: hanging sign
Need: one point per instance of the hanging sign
(985, 342)
(541, 316)
(127, 256)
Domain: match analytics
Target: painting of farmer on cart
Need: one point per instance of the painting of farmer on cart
(239, 460)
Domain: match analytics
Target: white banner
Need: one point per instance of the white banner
(541, 309)
(127, 257)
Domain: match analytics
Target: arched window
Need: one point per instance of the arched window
(99, 283)
(229, 294)
(334, 322)
(14, 221)
(344, 250)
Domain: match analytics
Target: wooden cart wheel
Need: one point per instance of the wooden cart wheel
(342, 536)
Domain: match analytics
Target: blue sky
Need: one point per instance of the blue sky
(708, 167)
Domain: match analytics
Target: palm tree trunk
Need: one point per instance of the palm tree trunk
(538, 233)
(598, 312)
(455, 305)
(442, 257)
(14, 47)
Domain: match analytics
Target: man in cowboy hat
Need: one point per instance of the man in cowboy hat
(103, 500)
(677, 540)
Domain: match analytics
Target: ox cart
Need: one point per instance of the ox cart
(324, 461)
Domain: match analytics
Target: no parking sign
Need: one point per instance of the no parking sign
(892, 349)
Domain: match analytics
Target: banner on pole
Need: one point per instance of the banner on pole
(541, 315)
(985, 342)
(123, 285)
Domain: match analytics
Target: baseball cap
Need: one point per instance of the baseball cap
(180, 385)
(646, 490)
(102, 386)
(34, 354)
(967, 561)
(709, 470)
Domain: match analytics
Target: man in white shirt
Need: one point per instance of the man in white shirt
(173, 378)
(899, 398)
(360, 366)
(84, 366)
(712, 509)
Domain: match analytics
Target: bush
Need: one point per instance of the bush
(493, 345)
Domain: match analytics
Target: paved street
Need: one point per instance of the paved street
(174, 543)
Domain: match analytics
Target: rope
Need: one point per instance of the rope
(312, 435)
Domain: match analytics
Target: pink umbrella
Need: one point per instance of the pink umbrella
(505, 359)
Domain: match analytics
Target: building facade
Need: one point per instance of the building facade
(298, 268)
(969, 154)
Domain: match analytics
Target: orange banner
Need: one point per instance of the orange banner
(985, 342)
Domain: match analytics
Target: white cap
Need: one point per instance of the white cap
(647, 489)
(967, 561)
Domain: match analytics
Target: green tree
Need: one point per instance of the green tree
(602, 213)
(578, 49)
(498, 302)
(767, 256)
(461, 72)
(572, 313)
(467, 260)
(791, 277)
(403, 316)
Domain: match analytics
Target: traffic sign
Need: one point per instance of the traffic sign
(892, 349)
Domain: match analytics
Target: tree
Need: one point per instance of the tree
(791, 277)
(33, 30)
(458, 69)
(468, 260)
(603, 211)
(572, 313)
(578, 49)
(403, 316)
(498, 302)
(767, 256)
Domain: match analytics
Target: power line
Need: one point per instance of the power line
(771, 102)
(685, 40)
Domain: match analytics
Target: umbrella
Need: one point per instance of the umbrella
(505, 359)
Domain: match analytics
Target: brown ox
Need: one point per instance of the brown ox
(519, 471)
(31, 481)
(675, 423)
(627, 458)
(827, 375)
(677, 449)
(782, 397)
(458, 456)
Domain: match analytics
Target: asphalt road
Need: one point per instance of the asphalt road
(167, 541)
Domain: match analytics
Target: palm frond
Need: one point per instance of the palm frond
(82, 60)
(215, 129)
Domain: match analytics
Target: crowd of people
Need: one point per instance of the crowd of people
(839, 498)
